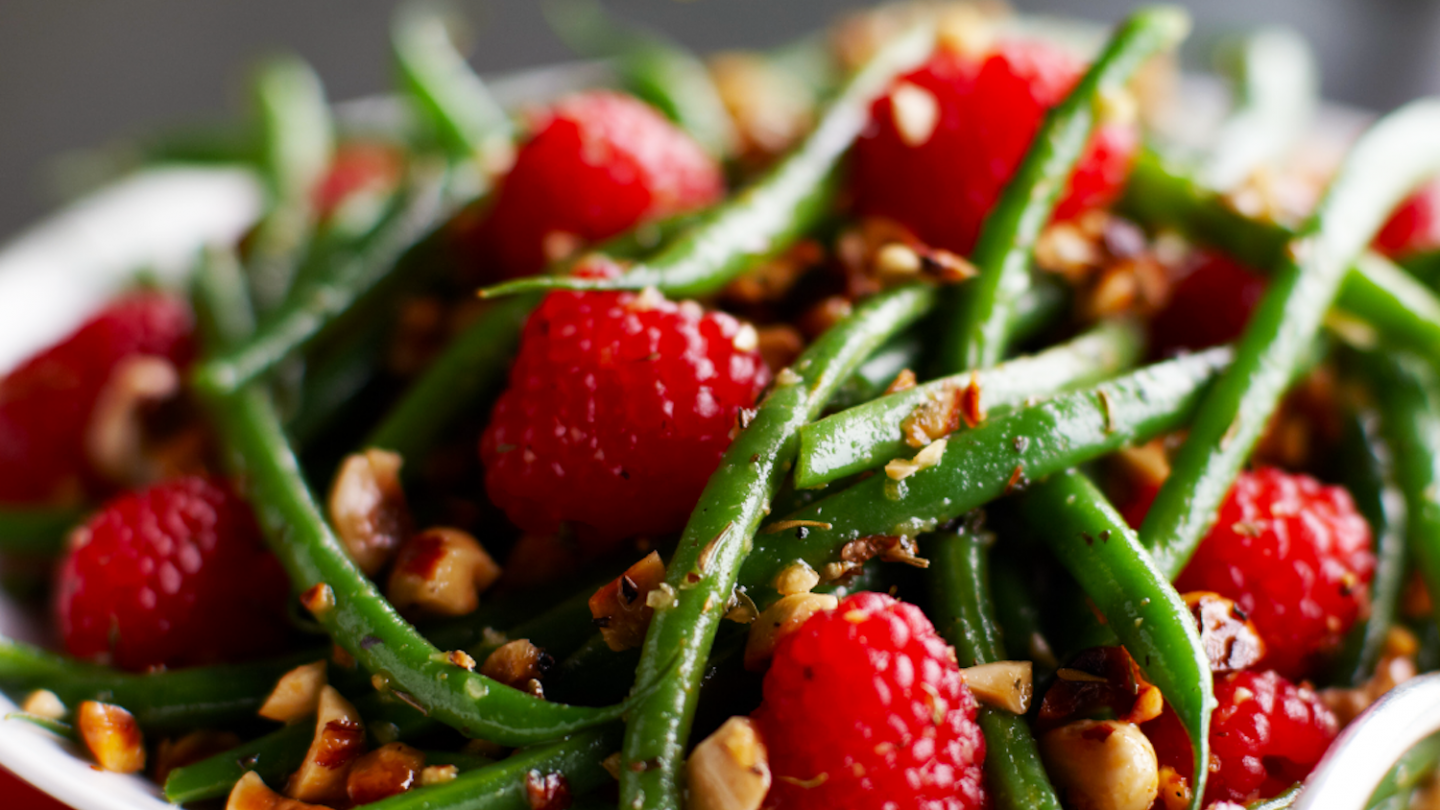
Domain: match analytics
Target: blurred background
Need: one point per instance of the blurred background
(84, 73)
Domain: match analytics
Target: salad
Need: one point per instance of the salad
(896, 419)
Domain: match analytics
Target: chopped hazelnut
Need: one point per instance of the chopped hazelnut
(729, 770)
(339, 741)
(783, 617)
(387, 771)
(115, 434)
(189, 749)
(296, 695)
(368, 508)
(112, 735)
(1229, 638)
(516, 664)
(44, 703)
(621, 607)
(250, 793)
(547, 791)
(1007, 685)
(1102, 765)
(433, 775)
(441, 572)
(796, 578)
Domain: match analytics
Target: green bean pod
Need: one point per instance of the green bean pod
(1367, 468)
(455, 104)
(1104, 555)
(1277, 84)
(702, 573)
(867, 436)
(39, 530)
(1388, 161)
(990, 460)
(1018, 613)
(961, 603)
(348, 605)
(879, 370)
(1410, 773)
(1003, 251)
(766, 218)
(1401, 311)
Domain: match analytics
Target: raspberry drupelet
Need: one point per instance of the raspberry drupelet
(47, 402)
(618, 410)
(174, 575)
(1415, 225)
(945, 141)
(1266, 734)
(865, 707)
(599, 163)
(1295, 555)
(1209, 306)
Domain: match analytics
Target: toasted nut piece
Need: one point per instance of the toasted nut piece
(780, 345)
(368, 508)
(785, 616)
(296, 695)
(115, 433)
(441, 572)
(433, 775)
(1175, 792)
(112, 735)
(387, 771)
(44, 703)
(1390, 672)
(771, 108)
(517, 663)
(1145, 465)
(1229, 638)
(339, 741)
(547, 791)
(1007, 685)
(621, 607)
(938, 416)
(1102, 765)
(730, 769)
(915, 113)
(250, 793)
(318, 598)
(797, 578)
(188, 750)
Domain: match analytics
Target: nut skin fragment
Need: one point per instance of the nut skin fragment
(729, 770)
(621, 607)
(441, 572)
(387, 771)
(296, 695)
(517, 664)
(785, 616)
(250, 793)
(1007, 685)
(1102, 765)
(368, 508)
(112, 735)
(339, 741)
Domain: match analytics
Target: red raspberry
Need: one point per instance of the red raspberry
(1295, 555)
(45, 404)
(867, 701)
(1415, 225)
(356, 167)
(619, 408)
(174, 575)
(598, 164)
(1209, 306)
(987, 113)
(1266, 734)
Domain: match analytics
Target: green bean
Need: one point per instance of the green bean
(503, 785)
(351, 274)
(1002, 254)
(1281, 802)
(350, 607)
(766, 218)
(879, 370)
(38, 530)
(173, 700)
(1018, 614)
(867, 436)
(298, 142)
(1276, 82)
(1387, 162)
(455, 104)
(961, 603)
(703, 570)
(1408, 394)
(1409, 773)
(993, 458)
(1096, 546)
(59, 728)
(650, 66)
(1424, 266)
(1367, 469)
(1402, 311)
(277, 754)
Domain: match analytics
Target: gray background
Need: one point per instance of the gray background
(80, 73)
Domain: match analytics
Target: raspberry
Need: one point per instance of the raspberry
(1266, 734)
(987, 113)
(1209, 306)
(45, 404)
(619, 408)
(357, 167)
(1295, 555)
(1415, 225)
(598, 164)
(865, 707)
(174, 575)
